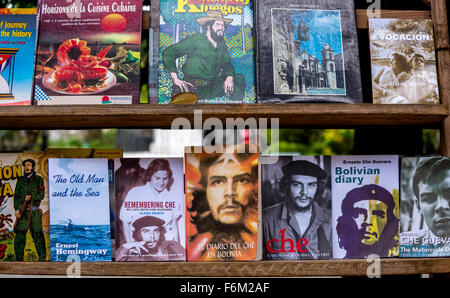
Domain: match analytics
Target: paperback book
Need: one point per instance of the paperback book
(296, 194)
(425, 207)
(365, 206)
(110, 154)
(24, 207)
(307, 51)
(153, 52)
(222, 204)
(17, 48)
(206, 52)
(403, 61)
(88, 52)
(150, 211)
(79, 210)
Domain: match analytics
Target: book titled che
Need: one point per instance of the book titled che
(79, 210)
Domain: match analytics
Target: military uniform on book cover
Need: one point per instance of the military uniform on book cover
(206, 52)
(24, 207)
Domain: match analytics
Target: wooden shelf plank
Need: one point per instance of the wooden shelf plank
(395, 266)
(362, 19)
(161, 116)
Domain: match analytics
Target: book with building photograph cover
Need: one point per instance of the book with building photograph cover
(222, 203)
(206, 52)
(307, 51)
(425, 207)
(403, 61)
(365, 206)
(17, 49)
(296, 199)
(79, 209)
(24, 235)
(88, 52)
(150, 211)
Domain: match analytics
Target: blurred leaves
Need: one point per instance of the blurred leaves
(315, 141)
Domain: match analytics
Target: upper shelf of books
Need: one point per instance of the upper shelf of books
(242, 52)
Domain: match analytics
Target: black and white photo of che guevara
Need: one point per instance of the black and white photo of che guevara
(296, 198)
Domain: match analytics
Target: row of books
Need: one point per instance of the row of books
(202, 51)
(221, 204)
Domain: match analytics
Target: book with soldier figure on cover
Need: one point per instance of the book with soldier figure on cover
(206, 52)
(307, 51)
(24, 207)
(403, 61)
(222, 204)
(365, 206)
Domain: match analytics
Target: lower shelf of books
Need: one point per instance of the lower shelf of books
(394, 266)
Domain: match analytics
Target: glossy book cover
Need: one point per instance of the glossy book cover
(222, 203)
(403, 61)
(24, 235)
(79, 209)
(17, 49)
(206, 52)
(307, 51)
(425, 207)
(296, 197)
(88, 52)
(365, 206)
(150, 212)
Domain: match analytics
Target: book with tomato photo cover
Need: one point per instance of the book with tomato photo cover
(88, 52)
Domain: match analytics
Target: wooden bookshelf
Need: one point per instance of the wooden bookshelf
(162, 116)
(292, 115)
(393, 266)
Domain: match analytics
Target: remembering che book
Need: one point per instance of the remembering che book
(150, 212)
(79, 209)
(425, 207)
(296, 195)
(24, 207)
(365, 206)
(307, 51)
(403, 61)
(222, 204)
(88, 52)
(206, 52)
